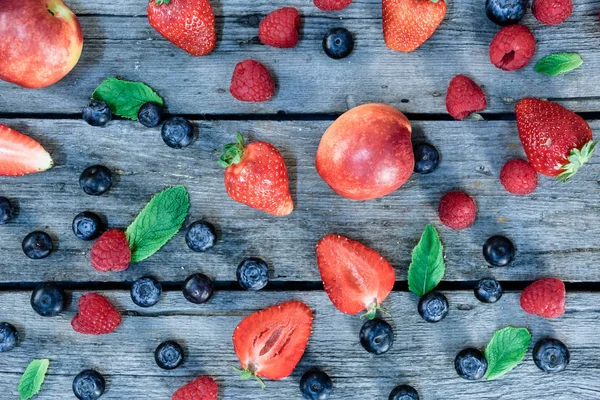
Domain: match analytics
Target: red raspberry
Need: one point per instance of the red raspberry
(202, 388)
(332, 5)
(457, 210)
(552, 12)
(512, 48)
(464, 97)
(252, 81)
(280, 28)
(545, 298)
(96, 315)
(518, 177)
(111, 252)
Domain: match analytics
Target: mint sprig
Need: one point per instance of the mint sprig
(33, 378)
(126, 97)
(506, 350)
(558, 63)
(427, 267)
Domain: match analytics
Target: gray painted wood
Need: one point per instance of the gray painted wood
(119, 41)
(555, 229)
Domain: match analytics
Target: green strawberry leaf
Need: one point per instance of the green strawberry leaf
(506, 350)
(158, 222)
(558, 63)
(427, 267)
(125, 97)
(33, 378)
(576, 160)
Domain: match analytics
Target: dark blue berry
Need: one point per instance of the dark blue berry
(151, 114)
(505, 12)
(427, 158)
(551, 355)
(376, 336)
(470, 364)
(6, 210)
(146, 291)
(177, 132)
(168, 355)
(88, 226)
(200, 236)
(88, 385)
(498, 251)
(253, 274)
(433, 307)
(97, 113)
(338, 43)
(488, 290)
(37, 245)
(404, 392)
(95, 180)
(315, 385)
(48, 300)
(9, 337)
(198, 288)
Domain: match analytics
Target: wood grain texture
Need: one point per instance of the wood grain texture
(555, 229)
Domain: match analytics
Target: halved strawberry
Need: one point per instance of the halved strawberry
(356, 278)
(271, 342)
(20, 154)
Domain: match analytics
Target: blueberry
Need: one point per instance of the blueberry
(433, 307)
(551, 355)
(404, 392)
(37, 245)
(9, 337)
(338, 43)
(376, 336)
(488, 290)
(97, 113)
(151, 114)
(253, 274)
(315, 385)
(88, 226)
(146, 292)
(88, 385)
(505, 12)
(177, 132)
(499, 251)
(48, 300)
(200, 236)
(470, 364)
(198, 288)
(427, 158)
(95, 180)
(168, 355)
(6, 210)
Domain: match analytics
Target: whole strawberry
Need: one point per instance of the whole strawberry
(556, 140)
(552, 12)
(111, 252)
(464, 97)
(97, 316)
(256, 175)
(251, 81)
(545, 298)
(201, 388)
(512, 48)
(332, 5)
(280, 28)
(407, 24)
(188, 24)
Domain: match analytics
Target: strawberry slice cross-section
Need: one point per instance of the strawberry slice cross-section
(20, 154)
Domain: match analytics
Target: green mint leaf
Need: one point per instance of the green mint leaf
(558, 63)
(158, 222)
(32, 379)
(427, 266)
(125, 97)
(506, 350)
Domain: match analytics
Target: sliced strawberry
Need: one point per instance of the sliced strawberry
(20, 154)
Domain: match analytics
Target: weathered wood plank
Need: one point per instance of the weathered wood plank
(556, 229)
(422, 355)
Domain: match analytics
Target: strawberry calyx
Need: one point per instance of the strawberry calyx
(232, 152)
(372, 311)
(161, 2)
(247, 373)
(576, 160)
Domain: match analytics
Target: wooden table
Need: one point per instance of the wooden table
(556, 229)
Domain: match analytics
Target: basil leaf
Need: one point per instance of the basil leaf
(33, 378)
(427, 267)
(126, 97)
(506, 350)
(558, 63)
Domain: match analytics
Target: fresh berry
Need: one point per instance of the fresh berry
(499, 251)
(433, 307)
(551, 355)
(356, 278)
(97, 316)
(97, 113)
(332, 5)
(315, 385)
(21, 155)
(198, 288)
(168, 355)
(37, 245)
(552, 12)
(512, 48)
(427, 158)
(338, 43)
(407, 24)
(518, 177)
(256, 175)
(545, 298)
(48, 300)
(146, 292)
(201, 388)
(376, 336)
(151, 114)
(88, 385)
(457, 210)
(7, 210)
(470, 364)
(96, 180)
(284, 327)
(88, 226)
(111, 252)
(9, 337)
(200, 236)
(556, 140)
(505, 12)
(404, 392)
(280, 28)
(464, 97)
(252, 81)
(488, 290)
(177, 132)
(253, 274)
(188, 24)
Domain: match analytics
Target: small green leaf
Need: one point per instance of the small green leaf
(506, 350)
(427, 267)
(33, 378)
(125, 97)
(558, 63)
(576, 160)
